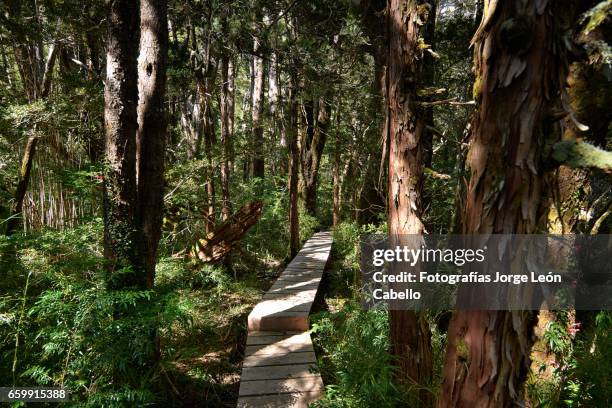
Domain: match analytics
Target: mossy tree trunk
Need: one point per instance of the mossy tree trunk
(121, 124)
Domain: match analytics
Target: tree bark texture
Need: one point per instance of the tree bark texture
(520, 61)
(410, 338)
(151, 136)
(120, 121)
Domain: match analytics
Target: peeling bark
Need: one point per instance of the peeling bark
(520, 64)
(410, 337)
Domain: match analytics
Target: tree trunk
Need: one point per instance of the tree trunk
(16, 216)
(279, 164)
(205, 73)
(48, 73)
(292, 135)
(410, 338)
(227, 132)
(120, 121)
(336, 176)
(220, 242)
(151, 136)
(372, 197)
(520, 65)
(313, 143)
(257, 164)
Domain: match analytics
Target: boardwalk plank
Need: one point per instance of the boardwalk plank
(279, 357)
(295, 400)
(282, 386)
(277, 372)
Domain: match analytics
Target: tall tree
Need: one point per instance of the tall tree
(294, 157)
(372, 196)
(227, 131)
(151, 136)
(258, 163)
(121, 124)
(314, 136)
(520, 62)
(410, 337)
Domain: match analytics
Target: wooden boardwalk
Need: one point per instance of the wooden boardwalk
(279, 355)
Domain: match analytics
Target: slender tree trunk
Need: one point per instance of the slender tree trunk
(151, 136)
(336, 176)
(48, 72)
(278, 165)
(205, 74)
(292, 136)
(227, 130)
(16, 216)
(258, 163)
(312, 146)
(520, 64)
(120, 120)
(410, 337)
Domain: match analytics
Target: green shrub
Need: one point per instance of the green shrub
(355, 358)
(589, 380)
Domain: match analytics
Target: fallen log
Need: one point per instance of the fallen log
(226, 236)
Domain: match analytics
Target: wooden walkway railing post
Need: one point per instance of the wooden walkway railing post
(279, 355)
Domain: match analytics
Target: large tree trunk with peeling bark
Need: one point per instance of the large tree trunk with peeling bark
(520, 66)
(410, 337)
(120, 122)
(151, 136)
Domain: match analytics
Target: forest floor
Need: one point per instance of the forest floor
(206, 368)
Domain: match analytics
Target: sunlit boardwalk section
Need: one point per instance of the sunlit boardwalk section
(277, 369)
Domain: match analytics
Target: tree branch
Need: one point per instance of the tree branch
(582, 155)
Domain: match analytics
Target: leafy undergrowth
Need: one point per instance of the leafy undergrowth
(60, 326)
(352, 344)
(203, 359)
